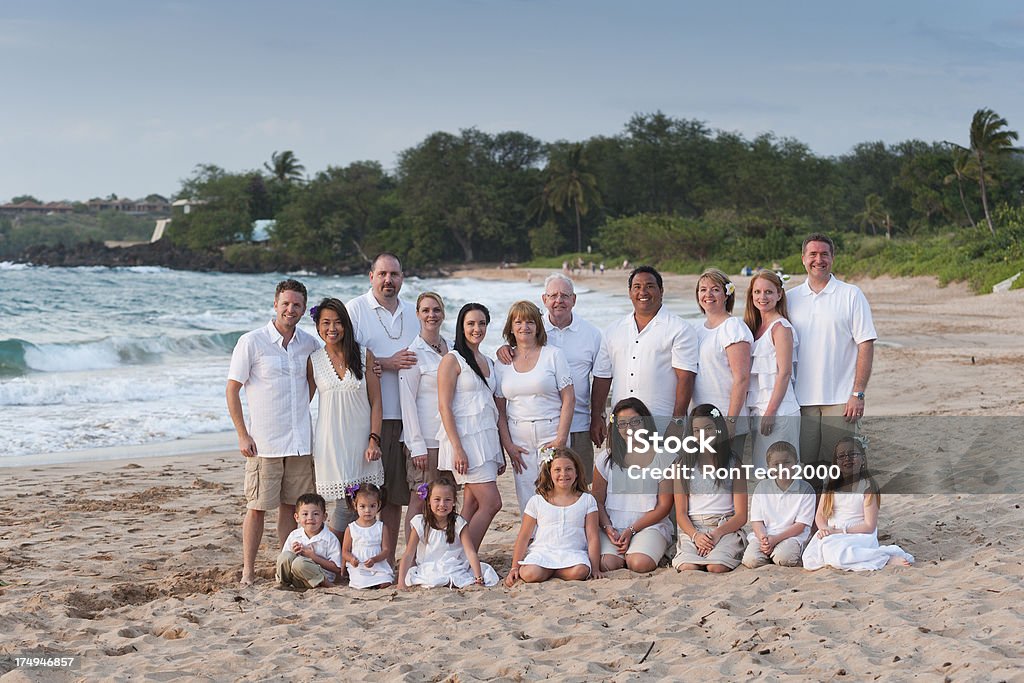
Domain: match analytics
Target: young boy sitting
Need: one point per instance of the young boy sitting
(781, 513)
(311, 555)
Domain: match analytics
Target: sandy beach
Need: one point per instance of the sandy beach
(132, 565)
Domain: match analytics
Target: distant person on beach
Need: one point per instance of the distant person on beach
(387, 326)
(417, 387)
(837, 346)
(651, 354)
(346, 441)
(580, 343)
(277, 440)
(311, 554)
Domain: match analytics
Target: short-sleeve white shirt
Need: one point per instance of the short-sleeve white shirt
(778, 510)
(417, 389)
(384, 335)
(643, 364)
(535, 395)
(580, 342)
(830, 325)
(325, 544)
(714, 381)
(276, 390)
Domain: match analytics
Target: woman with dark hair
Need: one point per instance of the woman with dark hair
(468, 441)
(346, 442)
(633, 510)
(711, 507)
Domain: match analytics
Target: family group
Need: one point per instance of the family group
(409, 418)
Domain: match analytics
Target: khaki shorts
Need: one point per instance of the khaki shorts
(584, 447)
(649, 542)
(415, 476)
(272, 482)
(392, 457)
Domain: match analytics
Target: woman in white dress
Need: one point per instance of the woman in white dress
(847, 518)
(468, 441)
(634, 512)
(346, 442)
(417, 390)
(771, 398)
(535, 396)
(723, 373)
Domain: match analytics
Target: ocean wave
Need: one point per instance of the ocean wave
(18, 356)
(11, 265)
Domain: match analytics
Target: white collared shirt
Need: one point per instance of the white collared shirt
(713, 384)
(384, 335)
(830, 325)
(643, 364)
(276, 390)
(581, 345)
(417, 390)
(325, 544)
(778, 510)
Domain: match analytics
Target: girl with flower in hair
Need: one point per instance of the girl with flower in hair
(710, 498)
(346, 442)
(440, 551)
(367, 543)
(564, 518)
(724, 351)
(847, 517)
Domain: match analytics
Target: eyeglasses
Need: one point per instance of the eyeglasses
(848, 455)
(632, 422)
(558, 295)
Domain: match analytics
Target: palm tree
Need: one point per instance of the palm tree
(570, 184)
(873, 213)
(962, 168)
(990, 139)
(285, 166)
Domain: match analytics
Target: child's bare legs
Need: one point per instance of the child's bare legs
(640, 563)
(898, 561)
(687, 567)
(532, 573)
(487, 500)
(610, 563)
(577, 572)
(718, 569)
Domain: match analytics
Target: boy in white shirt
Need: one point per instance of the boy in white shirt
(311, 556)
(781, 513)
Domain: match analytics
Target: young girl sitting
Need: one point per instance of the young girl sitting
(710, 511)
(565, 519)
(440, 551)
(847, 518)
(367, 543)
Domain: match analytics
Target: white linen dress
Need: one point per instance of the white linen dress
(561, 537)
(439, 563)
(366, 542)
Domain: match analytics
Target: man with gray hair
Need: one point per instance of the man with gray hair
(580, 342)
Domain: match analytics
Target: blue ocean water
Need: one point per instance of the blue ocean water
(106, 357)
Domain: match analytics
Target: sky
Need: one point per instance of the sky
(127, 97)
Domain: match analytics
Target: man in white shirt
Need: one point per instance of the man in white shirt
(837, 346)
(277, 440)
(386, 325)
(650, 354)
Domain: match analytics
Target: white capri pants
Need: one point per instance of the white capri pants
(531, 434)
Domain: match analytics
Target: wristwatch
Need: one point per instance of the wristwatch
(858, 394)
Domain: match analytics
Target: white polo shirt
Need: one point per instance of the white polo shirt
(830, 325)
(580, 343)
(778, 510)
(274, 379)
(384, 334)
(417, 391)
(325, 544)
(643, 363)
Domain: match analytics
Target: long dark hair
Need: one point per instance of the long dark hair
(460, 337)
(617, 452)
(430, 521)
(722, 457)
(349, 345)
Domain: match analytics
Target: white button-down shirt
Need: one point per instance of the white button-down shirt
(276, 390)
(643, 363)
(417, 390)
(581, 345)
(830, 325)
(384, 334)
(325, 544)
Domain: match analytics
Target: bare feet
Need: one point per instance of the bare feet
(898, 561)
(247, 580)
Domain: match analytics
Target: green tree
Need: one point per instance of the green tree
(571, 185)
(962, 169)
(285, 167)
(223, 212)
(990, 139)
(25, 198)
(873, 214)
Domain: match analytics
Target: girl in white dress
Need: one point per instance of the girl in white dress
(468, 444)
(710, 511)
(440, 552)
(564, 517)
(847, 518)
(346, 442)
(771, 398)
(536, 396)
(367, 545)
(723, 375)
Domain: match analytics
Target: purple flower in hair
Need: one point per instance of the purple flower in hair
(313, 311)
(421, 491)
(350, 491)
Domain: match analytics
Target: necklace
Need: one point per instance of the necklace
(401, 325)
(439, 346)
